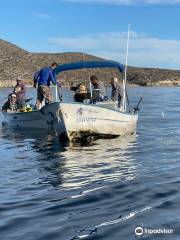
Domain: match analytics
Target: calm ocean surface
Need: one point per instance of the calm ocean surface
(102, 191)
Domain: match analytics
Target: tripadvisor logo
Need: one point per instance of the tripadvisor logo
(139, 231)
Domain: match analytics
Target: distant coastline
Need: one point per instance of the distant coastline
(15, 61)
(171, 84)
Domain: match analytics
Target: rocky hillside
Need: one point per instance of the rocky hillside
(15, 62)
(153, 76)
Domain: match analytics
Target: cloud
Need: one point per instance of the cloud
(127, 2)
(144, 50)
(43, 16)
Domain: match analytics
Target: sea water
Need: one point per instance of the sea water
(107, 190)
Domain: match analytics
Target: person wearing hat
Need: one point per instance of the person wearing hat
(11, 104)
(20, 91)
(81, 93)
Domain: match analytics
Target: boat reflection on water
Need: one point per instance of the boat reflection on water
(103, 160)
(75, 165)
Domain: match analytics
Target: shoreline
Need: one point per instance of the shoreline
(157, 84)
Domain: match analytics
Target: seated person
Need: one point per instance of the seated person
(81, 93)
(99, 90)
(11, 104)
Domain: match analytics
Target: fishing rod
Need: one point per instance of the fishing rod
(137, 107)
(28, 99)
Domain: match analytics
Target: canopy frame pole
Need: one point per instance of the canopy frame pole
(90, 84)
(56, 93)
(90, 87)
(125, 72)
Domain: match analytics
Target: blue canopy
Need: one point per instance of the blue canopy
(89, 64)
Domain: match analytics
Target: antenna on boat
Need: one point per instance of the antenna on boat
(125, 73)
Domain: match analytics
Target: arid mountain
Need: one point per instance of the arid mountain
(15, 62)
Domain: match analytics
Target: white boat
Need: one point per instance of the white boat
(100, 119)
(82, 120)
(47, 117)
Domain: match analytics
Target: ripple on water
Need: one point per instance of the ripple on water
(98, 191)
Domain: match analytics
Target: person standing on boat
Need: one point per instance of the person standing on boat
(44, 78)
(99, 90)
(20, 91)
(117, 92)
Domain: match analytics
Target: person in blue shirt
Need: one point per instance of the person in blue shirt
(43, 79)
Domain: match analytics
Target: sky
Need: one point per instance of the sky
(97, 27)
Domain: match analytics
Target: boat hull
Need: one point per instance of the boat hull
(45, 118)
(88, 119)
